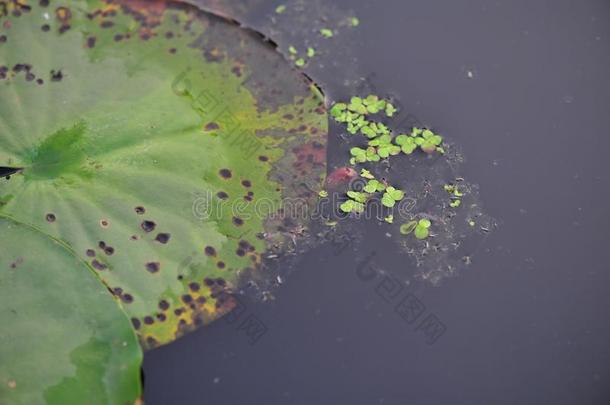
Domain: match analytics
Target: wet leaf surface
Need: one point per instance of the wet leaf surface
(154, 142)
(64, 339)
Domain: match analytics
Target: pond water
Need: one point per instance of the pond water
(520, 88)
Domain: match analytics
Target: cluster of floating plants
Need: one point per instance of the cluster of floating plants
(421, 228)
(358, 116)
(455, 195)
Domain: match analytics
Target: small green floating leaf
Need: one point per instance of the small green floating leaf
(397, 195)
(388, 201)
(390, 110)
(280, 9)
(389, 219)
(326, 32)
(311, 52)
(366, 174)
(338, 110)
(424, 223)
(421, 232)
(357, 196)
(408, 227)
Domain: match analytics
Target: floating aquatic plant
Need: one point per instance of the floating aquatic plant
(326, 32)
(391, 196)
(419, 228)
(455, 193)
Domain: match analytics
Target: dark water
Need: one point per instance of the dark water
(528, 321)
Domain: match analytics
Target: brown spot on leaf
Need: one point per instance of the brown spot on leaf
(163, 238)
(148, 226)
(211, 126)
(97, 265)
(140, 210)
(51, 217)
(56, 76)
(153, 267)
(237, 221)
(225, 173)
(63, 14)
(210, 251)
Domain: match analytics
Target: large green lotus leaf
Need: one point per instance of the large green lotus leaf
(154, 141)
(64, 339)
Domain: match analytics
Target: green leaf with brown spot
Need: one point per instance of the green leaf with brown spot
(64, 339)
(155, 142)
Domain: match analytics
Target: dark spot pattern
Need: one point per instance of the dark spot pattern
(163, 238)
(148, 226)
(56, 76)
(97, 265)
(140, 210)
(163, 305)
(225, 173)
(153, 267)
(51, 217)
(211, 126)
